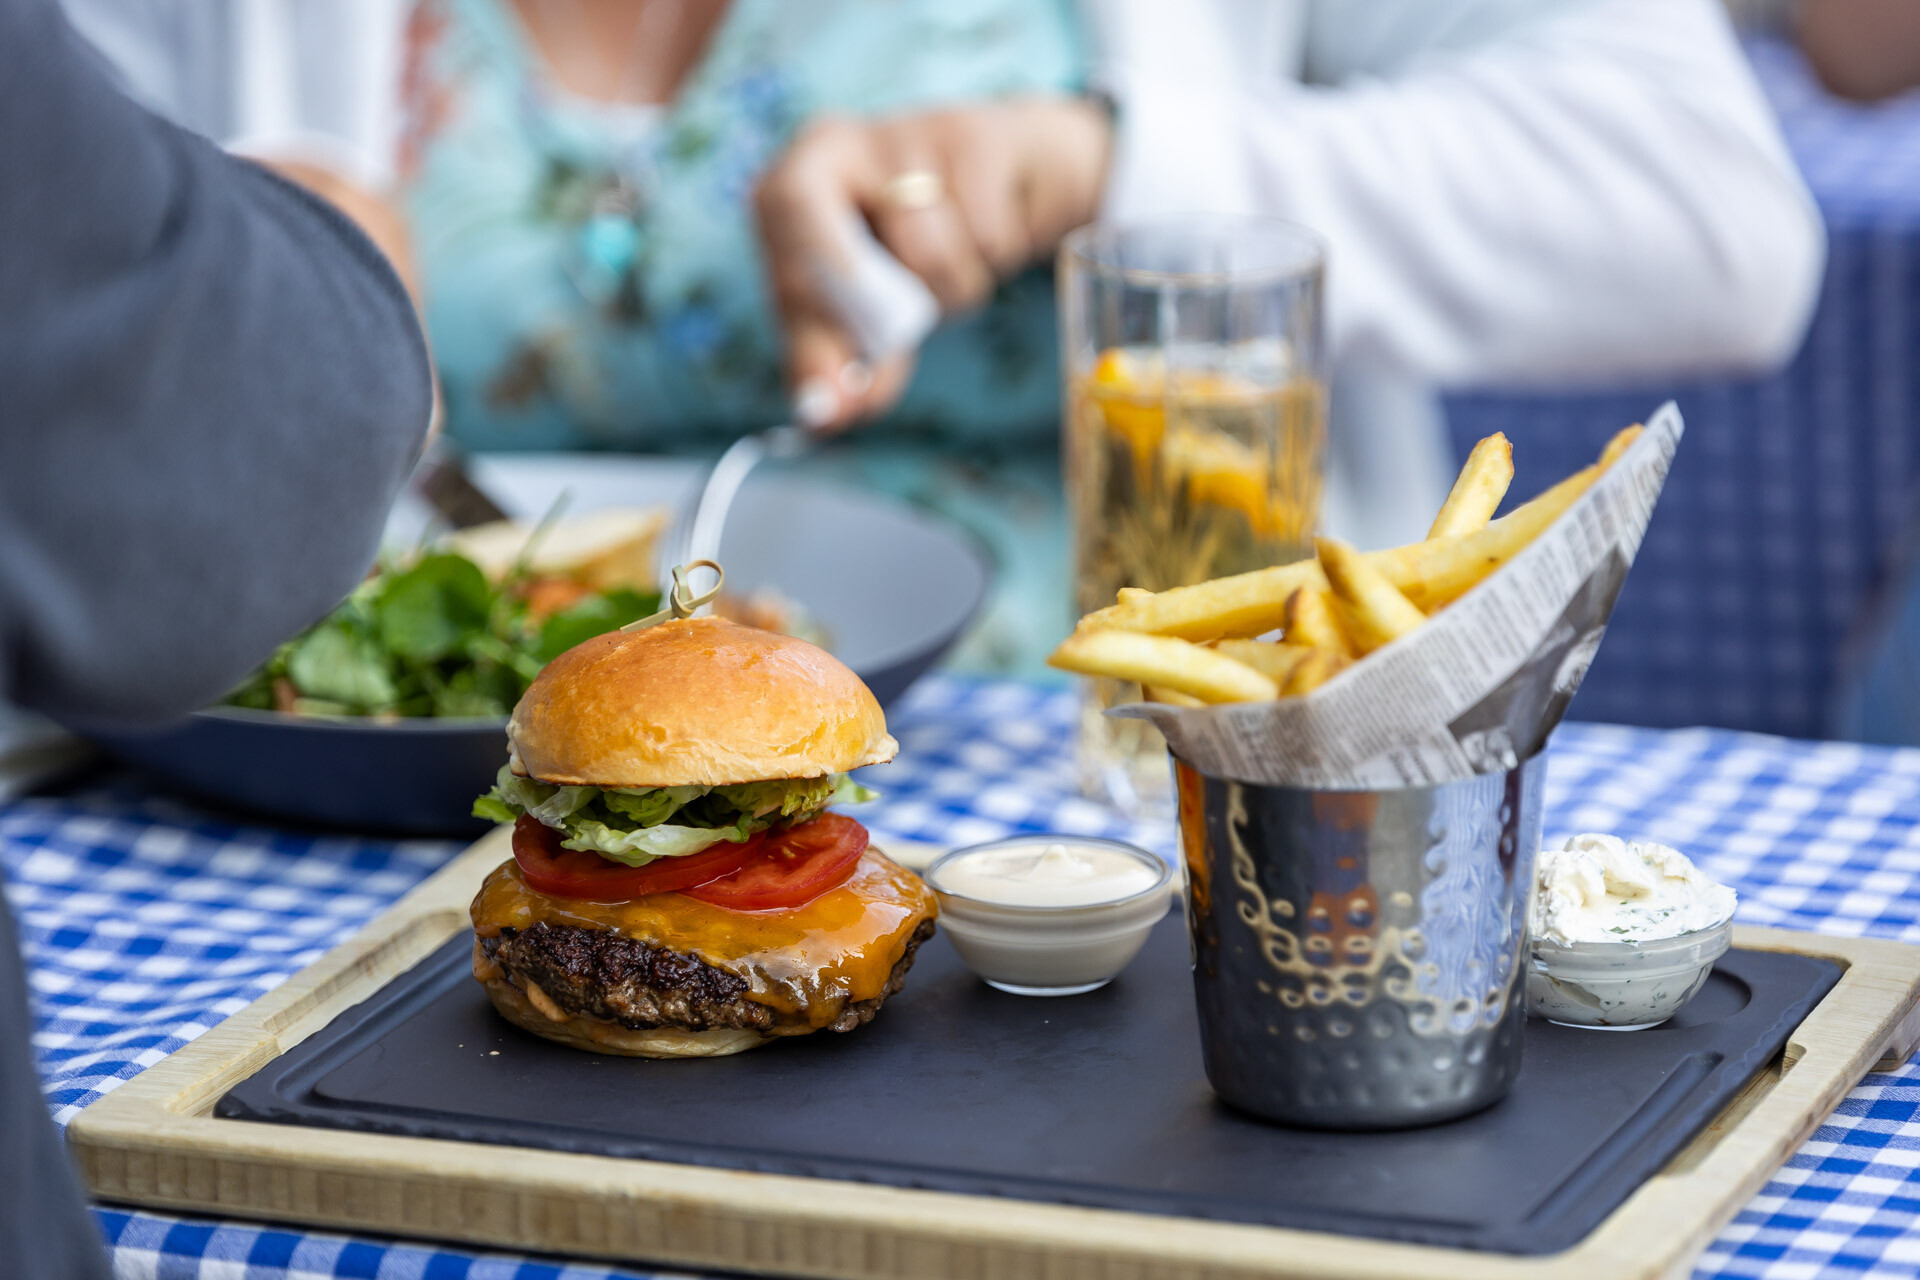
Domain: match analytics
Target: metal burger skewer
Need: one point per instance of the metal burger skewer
(709, 518)
(886, 310)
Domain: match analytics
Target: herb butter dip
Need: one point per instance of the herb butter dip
(1624, 933)
(1050, 915)
(1605, 889)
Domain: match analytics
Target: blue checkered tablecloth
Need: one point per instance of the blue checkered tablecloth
(1796, 496)
(147, 921)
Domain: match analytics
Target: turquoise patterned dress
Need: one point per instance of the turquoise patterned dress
(593, 279)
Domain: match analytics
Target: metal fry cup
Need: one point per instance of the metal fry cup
(1358, 955)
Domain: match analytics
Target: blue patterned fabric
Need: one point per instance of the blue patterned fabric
(1792, 493)
(594, 282)
(147, 921)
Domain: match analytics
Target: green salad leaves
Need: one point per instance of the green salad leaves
(433, 638)
(636, 826)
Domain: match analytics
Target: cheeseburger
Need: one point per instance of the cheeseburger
(678, 887)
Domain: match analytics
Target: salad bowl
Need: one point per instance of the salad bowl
(890, 587)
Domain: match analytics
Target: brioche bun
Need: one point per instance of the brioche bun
(695, 702)
(597, 1036)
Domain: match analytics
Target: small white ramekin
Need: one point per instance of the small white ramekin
(1051, 951)
(1622, 986)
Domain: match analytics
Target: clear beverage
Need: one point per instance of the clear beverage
(1192, 454)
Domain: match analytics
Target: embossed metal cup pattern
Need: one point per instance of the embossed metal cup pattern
(1358, 955)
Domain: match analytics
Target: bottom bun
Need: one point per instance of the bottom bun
(595, 1036)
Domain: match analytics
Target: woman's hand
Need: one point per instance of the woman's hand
(963, 197)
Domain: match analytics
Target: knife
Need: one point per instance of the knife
(441, 477)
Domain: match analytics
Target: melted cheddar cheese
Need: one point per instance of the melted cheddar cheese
(809, 961)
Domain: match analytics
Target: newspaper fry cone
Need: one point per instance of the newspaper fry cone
(1475, 690)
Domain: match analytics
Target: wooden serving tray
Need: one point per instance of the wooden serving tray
(154, 1141)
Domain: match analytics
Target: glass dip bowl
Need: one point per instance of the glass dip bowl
(1622, 986)
(1057, 948)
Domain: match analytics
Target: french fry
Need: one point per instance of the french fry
(1247, 604)
(1310, 622)
(1172, 697)
(1274, 661)
(1163, 661)
(1314, 670)
(1477, 492)
(1436, 573)
(1430, 574)
(1375, 612)
(1622, 441)
(1193, 646)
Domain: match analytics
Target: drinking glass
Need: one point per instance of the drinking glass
(1194, 432)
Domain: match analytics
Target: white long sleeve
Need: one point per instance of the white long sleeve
(310, 80)
(1512, 192)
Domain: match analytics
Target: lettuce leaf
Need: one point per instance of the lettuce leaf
(493, 809)
(631, 825)
(642, 845)
(529, 795)
(563, 804)
(847, 791)
(650, 808)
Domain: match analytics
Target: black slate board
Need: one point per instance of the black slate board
(1094, 1100)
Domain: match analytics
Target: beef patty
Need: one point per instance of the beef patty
(599, 974)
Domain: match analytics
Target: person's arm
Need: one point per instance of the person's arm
(310, 88)
(214, 387)
(316, 97)
(1511, 193)
(45, 1229)
(1864, 49)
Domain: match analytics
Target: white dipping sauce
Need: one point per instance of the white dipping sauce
(1049, 915)
(1623, 933)
(1600, 888)
(1054, 875)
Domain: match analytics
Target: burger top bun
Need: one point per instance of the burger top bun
(695, 702)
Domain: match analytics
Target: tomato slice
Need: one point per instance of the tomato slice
(574, 873)
(797, 865)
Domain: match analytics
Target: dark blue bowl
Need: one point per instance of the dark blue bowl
(408, 777)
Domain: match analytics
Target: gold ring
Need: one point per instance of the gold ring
(913, 190)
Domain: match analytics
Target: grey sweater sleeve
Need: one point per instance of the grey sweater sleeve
(211, 388)
(45, 1229)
